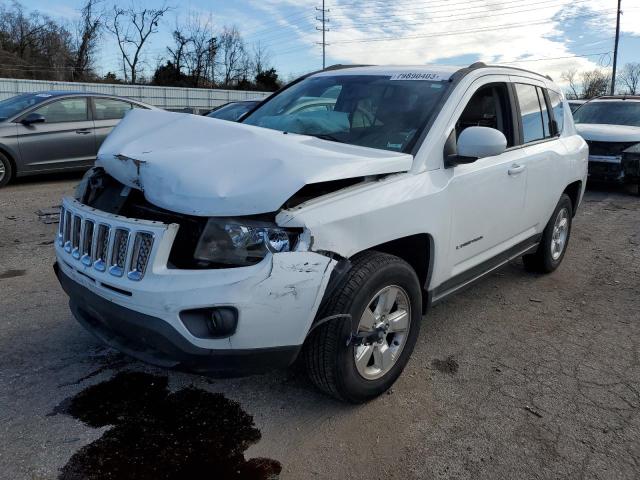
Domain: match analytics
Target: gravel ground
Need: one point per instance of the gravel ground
(521, 376)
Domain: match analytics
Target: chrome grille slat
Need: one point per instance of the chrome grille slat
(103, 236)
(141, 251)
(75, 236)
(66, 236)
(87, 243)
(119, 251)
(61, 227)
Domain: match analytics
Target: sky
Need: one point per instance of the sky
(547, 36)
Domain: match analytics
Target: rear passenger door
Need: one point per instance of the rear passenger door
(107, 112)
(543, 152)
(64, 140)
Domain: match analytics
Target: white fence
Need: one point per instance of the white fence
(172, 98)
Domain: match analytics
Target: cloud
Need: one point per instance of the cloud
(548, 36)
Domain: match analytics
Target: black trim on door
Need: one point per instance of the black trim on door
(468, 277)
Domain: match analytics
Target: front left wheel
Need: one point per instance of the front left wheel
(359, 358)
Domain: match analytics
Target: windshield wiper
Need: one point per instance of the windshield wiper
(326, 136)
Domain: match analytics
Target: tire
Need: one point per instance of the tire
(328, 358)
(549, 254)
(6, 170)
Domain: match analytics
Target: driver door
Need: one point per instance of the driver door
(65, 140)
(487, 196)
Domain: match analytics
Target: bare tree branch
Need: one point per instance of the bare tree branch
(132, 28)
(630, 77)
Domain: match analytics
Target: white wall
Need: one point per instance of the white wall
(163, 97)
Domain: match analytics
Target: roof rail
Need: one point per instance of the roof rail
(477, 65)
(339, 66)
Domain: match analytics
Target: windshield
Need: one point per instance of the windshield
(14, 105)
(618, 112)
(232, 111)
(375, 111)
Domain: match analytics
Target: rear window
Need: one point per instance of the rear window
(110, 109)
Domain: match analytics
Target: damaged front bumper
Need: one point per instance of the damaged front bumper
(147, 317)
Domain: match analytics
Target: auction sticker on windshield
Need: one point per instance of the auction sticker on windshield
(430, 76)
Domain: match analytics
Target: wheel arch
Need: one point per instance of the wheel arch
(417, 250)
(14, 166)
(574, 190)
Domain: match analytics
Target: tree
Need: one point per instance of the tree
(110, 77)
(268, 80)
(630, 77)
(233, 56)
(178, 52)
(88, 32)
(33, 45)
(169, 75)
(132, 28)
(569, 76)
(261, 61)
(595, 83)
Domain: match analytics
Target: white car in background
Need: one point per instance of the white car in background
(611, 127)
(324, 233)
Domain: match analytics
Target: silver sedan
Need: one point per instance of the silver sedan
(56, 131)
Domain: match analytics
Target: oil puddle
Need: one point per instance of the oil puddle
(448, 365)
(156, 434)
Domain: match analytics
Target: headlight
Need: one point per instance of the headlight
(241, 242)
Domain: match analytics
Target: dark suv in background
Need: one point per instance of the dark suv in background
(56, 130)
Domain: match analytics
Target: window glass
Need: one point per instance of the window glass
(546, 119)
(66, 110)
(377, 111)
(558, 109)
(14, 105)
(109, 109)
(489, 107)
(532, 128)
(231, 111)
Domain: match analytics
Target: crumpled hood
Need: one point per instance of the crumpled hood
(208, 167)
(608, 133)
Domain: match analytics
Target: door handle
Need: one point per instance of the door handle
(83, 131)
(516, 169)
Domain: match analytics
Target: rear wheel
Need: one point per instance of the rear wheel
(6, 170)
(555, 239)
(359, 359)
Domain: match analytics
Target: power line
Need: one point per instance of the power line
(459, 32)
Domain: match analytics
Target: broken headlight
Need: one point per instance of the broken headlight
(241, 242)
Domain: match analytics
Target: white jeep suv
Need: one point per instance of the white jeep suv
(322, 234)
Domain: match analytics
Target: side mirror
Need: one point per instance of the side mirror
(478, 142)
(33, 118)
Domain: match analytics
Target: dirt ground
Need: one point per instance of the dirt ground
(521, 376)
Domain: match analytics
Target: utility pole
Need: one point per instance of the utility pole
(324, 31)
(615, 50)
